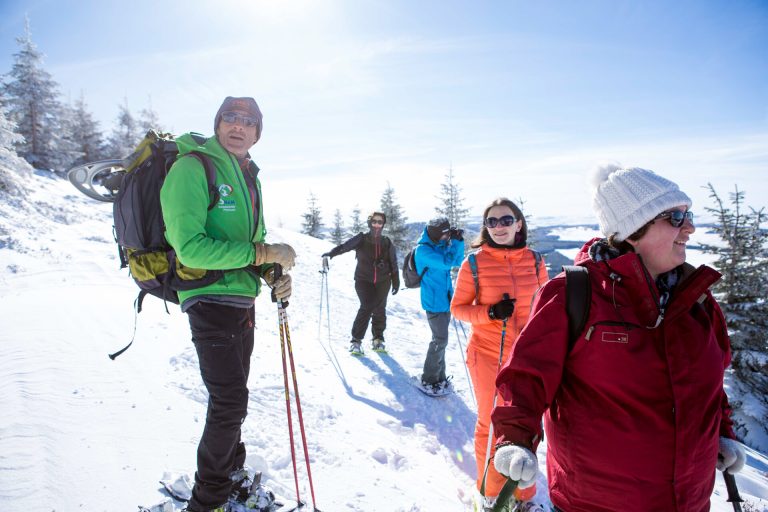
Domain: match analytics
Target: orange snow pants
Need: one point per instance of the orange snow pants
(482, 370)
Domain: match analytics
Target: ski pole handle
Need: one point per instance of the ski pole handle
(733, 491)
(277, 272)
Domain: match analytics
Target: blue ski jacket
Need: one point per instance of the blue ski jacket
(438, 259)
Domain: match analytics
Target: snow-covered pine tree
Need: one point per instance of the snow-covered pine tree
(126, 134)
(149, 120)
(68, 152)
(32, 103)
(357, 225)
(86, 134)
(395, 227)
(337, 233)
(13, 170)
(451, 202)
(313, 222)
(742, 259)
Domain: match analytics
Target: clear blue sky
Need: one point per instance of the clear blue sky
(522, 98)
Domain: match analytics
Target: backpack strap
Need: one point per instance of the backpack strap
(536, 263)
(421, 276)
(472, 259)
(210, 175)
(578, 297)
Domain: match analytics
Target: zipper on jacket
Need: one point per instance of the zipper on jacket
(246, 191)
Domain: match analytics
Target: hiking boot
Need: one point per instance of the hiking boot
(260, 497)
(356, 347)
(241, 485)
(439, 388)
(444, 386)
(378, 344)
(223, 508)
(488, 503)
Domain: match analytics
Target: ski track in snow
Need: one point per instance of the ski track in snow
(81, 432)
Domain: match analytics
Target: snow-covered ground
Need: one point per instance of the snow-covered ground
(79, 432)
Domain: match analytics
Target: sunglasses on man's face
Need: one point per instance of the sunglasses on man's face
(377, 221)
(676, 217)
(506, 220)
(232, 118)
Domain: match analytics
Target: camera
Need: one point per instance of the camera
(456, 234)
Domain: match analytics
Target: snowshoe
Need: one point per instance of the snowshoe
(356, 348)
(436, 389)
(260, 497)
(378, 345)
(98, 180)
(178, 486)
(164, 506)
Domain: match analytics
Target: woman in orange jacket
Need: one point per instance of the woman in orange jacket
(497, 304)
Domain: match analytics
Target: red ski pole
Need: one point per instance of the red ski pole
(285, 346)
(278, 271)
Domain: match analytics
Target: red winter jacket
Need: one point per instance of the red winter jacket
(632, 413)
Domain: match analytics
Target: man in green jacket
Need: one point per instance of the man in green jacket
(230, 237)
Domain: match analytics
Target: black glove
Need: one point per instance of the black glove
(456, 234)
(395, 286)
(326, 255)
(502, 309)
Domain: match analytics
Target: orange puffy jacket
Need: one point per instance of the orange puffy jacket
(499, 271)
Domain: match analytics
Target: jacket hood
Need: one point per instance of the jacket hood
(583, 254)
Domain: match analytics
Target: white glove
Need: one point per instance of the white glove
(282, 287)
(730, 455)
(518, 464)
(282, 254)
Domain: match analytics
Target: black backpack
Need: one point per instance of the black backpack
(411, 277)
(139, 226)
(578, 297)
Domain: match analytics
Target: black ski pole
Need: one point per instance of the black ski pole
(495, 391)
(733, 491)
(464, 359)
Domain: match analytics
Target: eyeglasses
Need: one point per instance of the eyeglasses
(377, 221)
(506, 220)
(676, 217)
(232, 118)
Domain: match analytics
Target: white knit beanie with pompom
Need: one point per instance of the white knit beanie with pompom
(625, 199)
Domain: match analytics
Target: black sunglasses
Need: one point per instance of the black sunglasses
(506, 220)
(232, 118)
(676, 217)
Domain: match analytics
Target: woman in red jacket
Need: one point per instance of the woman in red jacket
(497, 306)
(634, 410)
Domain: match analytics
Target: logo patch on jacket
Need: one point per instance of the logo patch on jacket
(225, 190)
(228, 205)
(615, 337)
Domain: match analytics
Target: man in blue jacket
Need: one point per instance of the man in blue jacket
(440, 248)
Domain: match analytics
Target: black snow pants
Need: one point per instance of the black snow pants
(223, 338)
(373, 308)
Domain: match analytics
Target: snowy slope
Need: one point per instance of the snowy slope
(79, 432)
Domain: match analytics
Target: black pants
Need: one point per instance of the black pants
(373, 308)
(223, 338)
